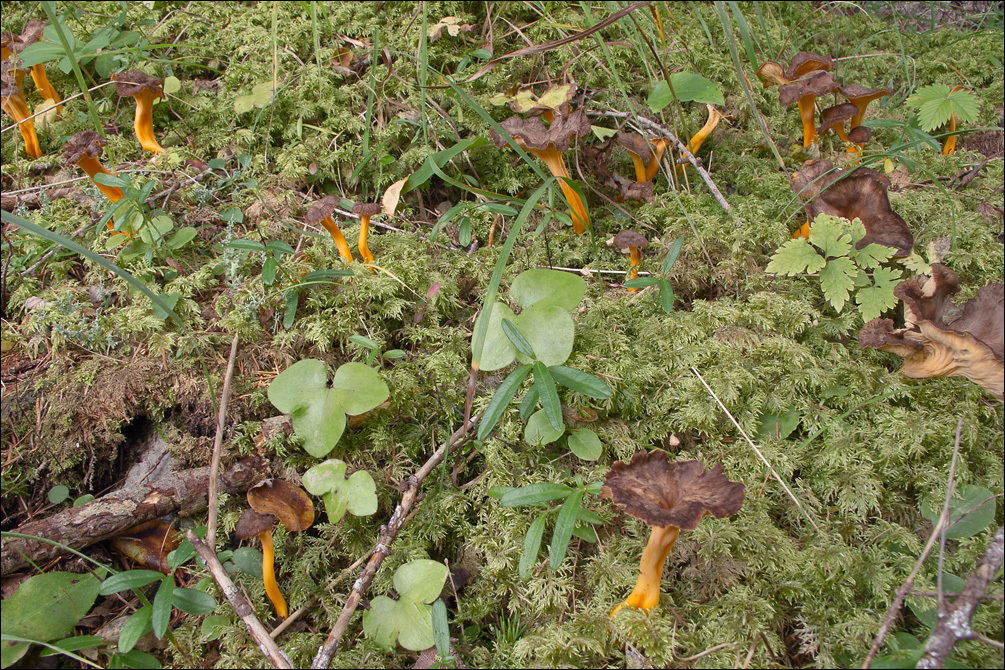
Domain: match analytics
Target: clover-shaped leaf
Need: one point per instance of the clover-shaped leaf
(408, 620)
(548, 287)
(355, 494)
(318, 411)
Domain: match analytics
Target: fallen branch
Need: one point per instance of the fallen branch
(388, 532)
(953, 623)
(182, 492)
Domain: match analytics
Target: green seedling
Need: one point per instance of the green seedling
(355, 494)
(319, 410)
(572, 519)
(373, 348)
(686, 87)
(939, 105)
(831, 251)
(408, 620)
(272, 254)
(666, 289)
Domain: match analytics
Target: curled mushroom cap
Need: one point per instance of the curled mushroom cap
(283, 500)
(971, 346)
(252, 524)
(772, 74)
(670, 497)
(144, 89)
(805, 62)
(861, 96)
(83, 149)
(861, 194)
(805, 92)
(859, 135)
(320, 213)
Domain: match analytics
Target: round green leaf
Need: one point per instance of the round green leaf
(550, 331)
(415, 623)
(58, 494)
(420, 580)
(498, 351)
(193, 601)
(539, 430)
(548, 288)
(324, 477)
(320, 424)
(362, 494)
(248, 560)
(358, 388)
(47, 606)
(585, 444)
(380, 622)
(297, 385)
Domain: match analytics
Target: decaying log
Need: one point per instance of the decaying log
(183, 493)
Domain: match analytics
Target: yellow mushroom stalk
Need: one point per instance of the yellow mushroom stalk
(714, 116)
(552, 157)
(630, 242)
(269, 576)
(805, 92)
(365, 210)
(13, 103)
(646, 594)
(659, 148)
(83, 150)
(144, 89)
(31, 33)
(320, 214)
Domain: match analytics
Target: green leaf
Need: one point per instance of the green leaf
(160, 618)
(74, 643)
(969, 514)
(837, 279)
(138, 625)
(110, 180)
(528, 403)
(581, 382)
(540, 431)
(659, 96)
(441, 629)
(320, 424)
(548, 395)
(641, 282)
(181, 238)
(358, 388)
(585, 444)
(501, 400)
(295, 386)
(937, 103)
(248, 560)
(550, 331)
(672, 253)
(380, 622)
(691, 87)
(666, 296)
(831, 236)
(775, 427)
(168, 299)
(498, 351)
(564, 525)
(292, 298)
(795, 257)
(544, 288)
(134, 659)
(58, 494)
(193, 601)
(407, 620)
(875, 299)
(130, 579)
(519, 342)
(420, 580)
(357, 493)
(45, 607)
(534, 494)
(872, 255)
(532, 545)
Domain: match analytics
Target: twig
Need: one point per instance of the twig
(905, 588)
(756, 450)
(932, 594)
(214, 464)
(954, 621)
(388, 532)
(258, 633)
(951, 486)
(656, 128)
(711, 650)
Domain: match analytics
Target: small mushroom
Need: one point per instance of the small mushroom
(934, 345)
(320, 213)
(858, 195)
(670, 497)
(13, 103)
(640, 151)
(365, 211)
(714, 116)
(629, 242)
(772, 74)
(548, 143)
(834, 118)
(270, 500)
(660, 145)
(949, 148)
(859, 135)
(805, 92)
(30, 34)
(83, 150)
(860, 96)
(144, 89)
(148, 544)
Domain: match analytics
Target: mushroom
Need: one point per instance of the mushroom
(629, 242)
(365, 211)
(30, 34)
(13, 102)
(548, 143)
(148, 544)
(83, 150)
(270, 500)
(144, 89)
(714, 116)
(805, 92)
(970, 346)
(805, 62)
(859, 193)
(949, 148)
(833, 118)
(772, 74)
(640, 151)
(860, 96)
(670, 497)
(660, 144)
(321, 213)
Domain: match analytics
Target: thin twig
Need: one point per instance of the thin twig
(950, 488)
(388, 532)
(711, 650)
(258, 633)
(214, 465)
(756, 450)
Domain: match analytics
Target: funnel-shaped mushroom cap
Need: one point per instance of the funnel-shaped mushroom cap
(836, 116)
(532, 134)
(134, 82)
(972, 346)
(679, 493)
(859, 135)
(636, 144)
(322, 209)
(861, 195)
(85, 143)
(252, 524)
(627, 239)
(817, 84)
(283, 500)
(805, 62)
(772, 74)
(861, 96)
(366, 208)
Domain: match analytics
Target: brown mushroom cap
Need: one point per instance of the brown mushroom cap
(366, 208)
(322, 209)
(631, 190)
(836, 115)
(627, 239)
(31, 33)
(532, 132)
(635, 143)
(134, 82)
(861, 195)
(663, 493)
(252, 524)
(772, 74)
(861, 95)
(805, 62)
(8, 84)
(86, 142)
(972, 346)
(817, 84)
(283, 500)
(859, 135)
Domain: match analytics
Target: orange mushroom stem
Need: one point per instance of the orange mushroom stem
(31, 33)
(83, 150)
(320, 213)
(805, 92)
(269, 575)
(714, 116)
(630, 242)
(144, 89)
(365, 211)
(646, 594)
(949, 148)
(552, 157)
(13, 103)
(659, 148)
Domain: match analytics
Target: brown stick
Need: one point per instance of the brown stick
(214, 464)
(78, 527)
(953, 624)
(388, 532)
(266, 644)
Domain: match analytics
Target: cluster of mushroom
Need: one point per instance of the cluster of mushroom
(320, 213)
(809, 77)
(12, 95)
(934, 344)
(670, 497)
